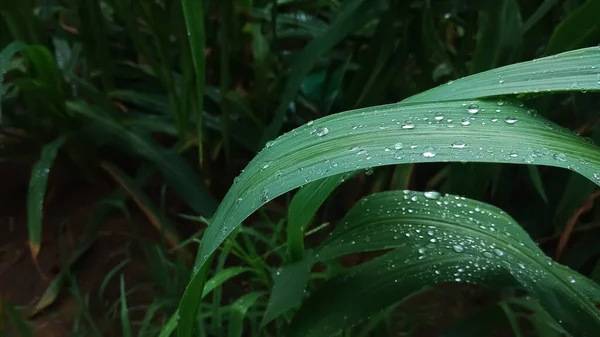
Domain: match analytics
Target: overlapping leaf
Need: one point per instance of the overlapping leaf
(438, 239)
(462, 128)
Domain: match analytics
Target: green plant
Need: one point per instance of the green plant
(192, 90)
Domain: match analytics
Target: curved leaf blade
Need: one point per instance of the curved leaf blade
(352, 16)
(575, 70)
(368, 137)
(438, 239)
(37, 193)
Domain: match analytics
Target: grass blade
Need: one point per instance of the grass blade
(478, 131)
(288, 290)
(493, 44)
(193, 11)
(442, 239)
(303, 208)
(238, 311)
(5, 57)
(37, 193)
(571, 71)
(354, 15)
(580, 27)
(125, 323)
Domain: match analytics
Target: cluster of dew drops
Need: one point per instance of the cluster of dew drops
(483, 256)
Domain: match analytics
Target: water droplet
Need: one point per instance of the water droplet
(429, 152)
(458, 145)
(438, 116)
(322, 131)
(264, 195)
(265, 165)
(466, 121)
(559, 156)
(434, 195)
(383, 126)
(597, 176)
(458, 248)
(487, 254)
(310, 123)
(269, 144)
(500, 80)
(421, 250)
(510, 120)
(408, 125)
(473, 108)
(498, 252)
(500, 102)
(398, 146)
(369, 171)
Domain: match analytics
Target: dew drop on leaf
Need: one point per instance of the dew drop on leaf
(434, 195)
(458, 248)
(458, 145)
(559, 156)
(473, 108)
(429, 152)
(322, 131)
(510, 120)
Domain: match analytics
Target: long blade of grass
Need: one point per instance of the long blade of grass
(479, 131)
(193, 11)
(576, 70)
(289, 284)
(152, 212)
(37, 193)
(493, 44)
(177, 172)
(238, 311)
(352, 16)
(580, 27)
(125, 322)
(302, 209)
(438, 239)
(6, 56)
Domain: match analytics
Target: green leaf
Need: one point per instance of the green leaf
(571, 71)
(221, 277)
(238, 311)
(353, 15)
(576, 30)
(37, 193)
(536, 180)
(126, 325)
(303, 208)
(177, 172)
(6, 56)
(495, 45)
(480, 131)
(193, 11)
(288, 290)
(438, 239)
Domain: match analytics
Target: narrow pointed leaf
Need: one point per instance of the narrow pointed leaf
(352, 16)
(437, 239)
(193, 11)
(288, 290)
(571, 71)
(37, 193)
(302, 209)
(238, 312)
(478, 131)
(580, 27)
